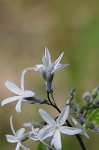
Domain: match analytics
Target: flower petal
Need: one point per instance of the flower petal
(59, 67)
(18, 106)
(74, 121)
(22, 80)
(9, 100)
(78, 125)
(57, 140)
(13, 87)
(18, 146)
(11, 138)
(70, 130)
(46, 132)
(58, 60)
(11, 125)
(20, 132)
(47, 117)
(39, 67)
(24, 148)
(46, 58)
(63, 115)
(28, 93)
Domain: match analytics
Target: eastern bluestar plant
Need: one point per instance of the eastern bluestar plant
(48, 132)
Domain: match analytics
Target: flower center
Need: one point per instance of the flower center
(57, 127)
(22, 93)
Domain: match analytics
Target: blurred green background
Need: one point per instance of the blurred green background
(26, 28)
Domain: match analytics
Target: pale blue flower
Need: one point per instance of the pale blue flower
(56, 127)
(18, 137)
(19, 91)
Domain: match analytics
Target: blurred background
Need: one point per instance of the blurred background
(26, 28)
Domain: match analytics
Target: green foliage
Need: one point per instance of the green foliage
(93, 113)
(40, 146)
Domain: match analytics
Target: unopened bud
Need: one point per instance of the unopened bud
(95, 92)
(87, 96)
(73, 106)
(33, 100)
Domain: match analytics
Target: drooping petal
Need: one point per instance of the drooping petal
(20, 132)
(28, 93)
(18, 106)
(70, 130)
(47, 117)
(11, 138)
(18, 146)
(11, 125)
(57, 140)
(63, 115)
(9, 100)
(39, 67)
(22, 80)
(30, 68)
(13, 87)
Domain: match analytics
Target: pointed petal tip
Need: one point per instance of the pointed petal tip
(18, 111)
(2, 104)
(40, 110)
(7, 82)
(46, 49)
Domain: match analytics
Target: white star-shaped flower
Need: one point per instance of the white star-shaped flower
(48, 68)
(18, 137)
(56, 127)
(19, 91)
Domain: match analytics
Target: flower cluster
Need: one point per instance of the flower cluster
(48, 132)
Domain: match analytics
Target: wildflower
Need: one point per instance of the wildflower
(56, 127)
(22, 94)
(48, 68)
(18, 137)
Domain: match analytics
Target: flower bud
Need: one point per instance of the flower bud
(33, 100)
(87, 96)
(95, 92)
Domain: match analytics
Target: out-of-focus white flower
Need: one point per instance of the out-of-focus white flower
(37, 134)
(19, 91)
(56, 127)
(18, 137)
